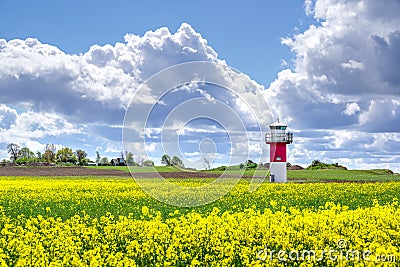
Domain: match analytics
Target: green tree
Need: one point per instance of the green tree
(166, 160)
(48, 156)
(315, 162)
(39, 155)
(148, 163)
(104, 161)
(66, 155)
(13, 150)
(4, 161)
(26, 153)
(98, 158)
(81, 157)
(177, 162)
(251, 164)
(129, 158)
(50, 153)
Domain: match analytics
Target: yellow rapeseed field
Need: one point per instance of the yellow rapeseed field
(111, 222)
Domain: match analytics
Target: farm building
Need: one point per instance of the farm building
(118, 162)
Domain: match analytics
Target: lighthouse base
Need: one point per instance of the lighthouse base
(277, 172)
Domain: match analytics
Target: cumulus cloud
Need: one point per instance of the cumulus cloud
(29, 125)
(344, 77)
(101, 80)
(382, 116)
(352, 65)
(48, 93)
(348, 58)
(341, 96)
(351, 109)
(90, 90)
(7, 116)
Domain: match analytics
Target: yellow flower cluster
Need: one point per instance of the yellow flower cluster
(68, 196)
(277, 225)
(218, 239)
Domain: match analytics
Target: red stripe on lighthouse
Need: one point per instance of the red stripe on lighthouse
(277, 152)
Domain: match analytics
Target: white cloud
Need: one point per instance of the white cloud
(348, 58)
(344, 82)
(351, 109)
(343, 86)
(91, 91)
(382, 116)
(69, 92)
(35, 146)
(7, 116)
(308, 4)
(192, 154)
(31, 125)
(353, 65)
(354, 149)
(100, 81)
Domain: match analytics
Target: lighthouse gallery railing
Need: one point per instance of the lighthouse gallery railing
(279, 138)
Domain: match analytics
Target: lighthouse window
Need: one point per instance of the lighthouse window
(278, 158)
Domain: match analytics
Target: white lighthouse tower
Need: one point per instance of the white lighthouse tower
(278, 139)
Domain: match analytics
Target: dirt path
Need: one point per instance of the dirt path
(58, 171)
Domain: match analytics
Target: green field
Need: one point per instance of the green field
(294, 175)
(343, 175)
(328, 175)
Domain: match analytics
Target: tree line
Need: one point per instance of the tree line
(24, 155)
(174, 161)
(66, 155)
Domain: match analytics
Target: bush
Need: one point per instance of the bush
(25, 160)
(316, 165)
(83, 162)
(220, 168)
(148, 163)
(251, 165)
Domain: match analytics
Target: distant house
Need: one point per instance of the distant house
(118, 162)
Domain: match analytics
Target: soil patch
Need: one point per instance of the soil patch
(82, 171)
(58, 171)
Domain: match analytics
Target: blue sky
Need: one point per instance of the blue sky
(328, 68)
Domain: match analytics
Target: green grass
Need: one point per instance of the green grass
(326, 175)
(343, 175)
(319, 175)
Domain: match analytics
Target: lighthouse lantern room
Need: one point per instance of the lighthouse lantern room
(277, 138)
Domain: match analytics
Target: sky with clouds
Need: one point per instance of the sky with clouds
(328, 68)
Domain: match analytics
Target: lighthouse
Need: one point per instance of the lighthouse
(277, 138)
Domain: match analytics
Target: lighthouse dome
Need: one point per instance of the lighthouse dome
(278, 125)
